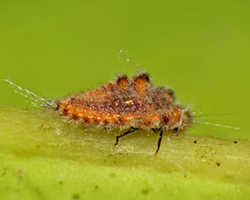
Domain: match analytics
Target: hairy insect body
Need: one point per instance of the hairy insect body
(127, 103)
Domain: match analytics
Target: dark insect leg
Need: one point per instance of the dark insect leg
(159, 141)
(155, 129)
(129, 131)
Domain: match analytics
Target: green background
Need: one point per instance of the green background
(55, 48)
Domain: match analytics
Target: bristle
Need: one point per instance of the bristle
(220, 125)
(36, 100)
(211, 114)
(128, 60)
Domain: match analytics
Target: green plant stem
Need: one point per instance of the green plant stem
(45, 156)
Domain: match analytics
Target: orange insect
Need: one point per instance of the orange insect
(125, 103)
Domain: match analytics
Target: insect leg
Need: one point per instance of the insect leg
(129, 131)
(159, 140)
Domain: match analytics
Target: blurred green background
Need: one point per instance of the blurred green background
(199, 48)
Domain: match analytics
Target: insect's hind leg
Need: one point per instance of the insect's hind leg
(159, 140)
(129, 131)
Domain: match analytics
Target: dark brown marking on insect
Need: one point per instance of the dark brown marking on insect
(75, 117)
(65, 112)
(143, 76)
(169, 93)
(165, 120)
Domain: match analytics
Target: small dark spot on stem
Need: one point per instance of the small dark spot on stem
(3, 173)
(145, 191)
(112, 175)
(75, 196)
(61, 182)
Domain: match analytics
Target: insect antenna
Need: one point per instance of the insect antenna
(213, 124)
(35, 99)
(128, 60)
(194, 115)
(210, 114)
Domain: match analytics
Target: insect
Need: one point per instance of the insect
(128, 103)
(125, 103)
